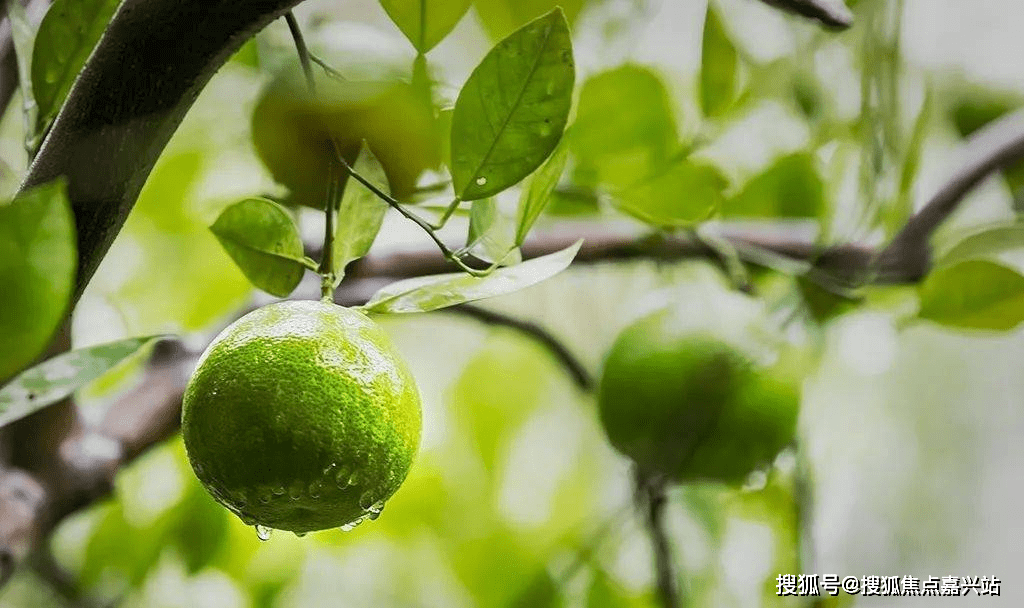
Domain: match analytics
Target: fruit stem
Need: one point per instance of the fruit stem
(650, 495)
(327, 270)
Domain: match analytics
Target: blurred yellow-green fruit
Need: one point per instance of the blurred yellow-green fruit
(301, 416)
(292, 130)
(691, 403)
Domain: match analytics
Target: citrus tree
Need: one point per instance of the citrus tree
(310, 187)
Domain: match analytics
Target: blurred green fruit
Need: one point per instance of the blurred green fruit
(292, 130)
(696, 404)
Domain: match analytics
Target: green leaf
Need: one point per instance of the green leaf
(37, 271)
(985, 242)
(67, 35)
(790, 187)
(423, 294)
(501, 17)
(59, 377)
(425, 22)
(537, 192)
(512, 110)
(718, 67)
(682, 195)
(491, 235)
(975, 294)
(262, 239)
(22, 37)
(625, 127)
(360, 213)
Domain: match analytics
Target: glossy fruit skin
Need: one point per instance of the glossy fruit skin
(690, 405)
(292, 131)
(301, 416)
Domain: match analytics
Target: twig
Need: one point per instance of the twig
(832, 13)
(583, 379)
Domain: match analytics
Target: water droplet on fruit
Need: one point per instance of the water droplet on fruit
(295, 492)
(299, 534)
(263, 532)
(480, 181)
(353, 479)
(341, 477)
(366, 501)
(314, 489)
(265, 496)
(352, 524)
(278, 491)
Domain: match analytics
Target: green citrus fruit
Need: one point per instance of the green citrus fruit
(695, 404)
(292, 130)
(301, 416)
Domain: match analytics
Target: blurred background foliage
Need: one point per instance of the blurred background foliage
(516, 500)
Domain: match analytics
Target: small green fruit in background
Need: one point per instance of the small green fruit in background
(301, 416)
(696, 401)
(292, 130)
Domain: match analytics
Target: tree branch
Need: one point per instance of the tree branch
(141, 79)
(579, 374)
(991, 148)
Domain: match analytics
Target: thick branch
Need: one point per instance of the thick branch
(143, 76)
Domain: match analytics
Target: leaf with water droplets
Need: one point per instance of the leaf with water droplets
(512, 110)
(57, 378)
(67, 35)
(428, 293)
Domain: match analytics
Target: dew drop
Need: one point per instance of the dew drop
(295, 492)
(263, 532)
(353, 479)
(279, 491)
(314, 489)
(299, 534)
(265, 496)
(480, 181)
(341, 478)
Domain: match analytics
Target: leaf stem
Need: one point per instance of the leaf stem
(330, 71)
